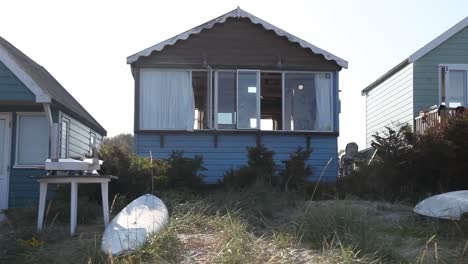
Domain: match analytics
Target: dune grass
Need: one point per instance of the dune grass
(258, 225)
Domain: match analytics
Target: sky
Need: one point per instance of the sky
(84, 44)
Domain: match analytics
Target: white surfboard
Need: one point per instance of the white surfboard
(130, 228)
(451, 205)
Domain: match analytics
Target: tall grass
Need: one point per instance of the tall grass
(256, 225)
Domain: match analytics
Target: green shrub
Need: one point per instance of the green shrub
(260, 167)
(409, 166)
(139, 175)
(296, 170)
(184, 172)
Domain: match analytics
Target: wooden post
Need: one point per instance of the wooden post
(105, 201)
(73, 207)
(42, 199)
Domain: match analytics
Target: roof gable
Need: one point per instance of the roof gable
(46, 88)
(238, 13)
(420, 53)
(439, 40)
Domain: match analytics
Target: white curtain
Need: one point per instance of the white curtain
(323, 97)
(166, 100)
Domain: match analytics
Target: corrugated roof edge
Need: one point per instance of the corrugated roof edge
(420, 53)
(238, 13)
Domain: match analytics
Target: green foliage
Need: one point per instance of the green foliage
(183, 172)
(296, 170)
(139, 175)
(409, 166)
(260, 167)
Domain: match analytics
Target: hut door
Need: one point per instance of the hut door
(4, 158)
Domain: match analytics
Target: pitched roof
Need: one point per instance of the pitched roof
(420, 53)
(238, 13)
(50, 86)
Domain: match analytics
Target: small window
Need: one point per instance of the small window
(32, 140)
(454, 85)
(64, 137)
(92, 140)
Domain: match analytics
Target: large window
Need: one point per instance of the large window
(32, 140)
(454, 88)
(307, 102)
(235, 99)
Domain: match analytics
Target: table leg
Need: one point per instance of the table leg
(73, 207)
(105, 201)
(42, 200)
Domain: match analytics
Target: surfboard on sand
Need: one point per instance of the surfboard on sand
(131, 227)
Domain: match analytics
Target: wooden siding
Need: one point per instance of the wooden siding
(79, 137)
(237, 43)
(24, 191)
(390, 103)
(11, 88)
(426, 71)
(231, 150)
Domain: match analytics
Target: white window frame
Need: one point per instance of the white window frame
(27, 166)
(448, 68)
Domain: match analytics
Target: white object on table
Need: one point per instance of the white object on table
(130, 228)
(72, 165)
(451, 205)
(73, 181)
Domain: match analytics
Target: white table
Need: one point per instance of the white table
(73, 181)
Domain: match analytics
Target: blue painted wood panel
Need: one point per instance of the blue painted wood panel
(231, 151)
(11, 88)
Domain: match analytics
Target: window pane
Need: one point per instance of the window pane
(299, 101)
(166, 100)
(33, 140)
(201, 95)
(323, 95)
(247, 92)
(456, 92)
(64, 139)
(226, 100)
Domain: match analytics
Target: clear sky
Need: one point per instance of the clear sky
(84, 44)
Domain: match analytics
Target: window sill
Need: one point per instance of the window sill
(35, 167)
(240, 131)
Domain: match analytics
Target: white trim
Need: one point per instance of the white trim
(238, 13)
(439, 40)
(27, 166)
(6, 157)
(41, 95)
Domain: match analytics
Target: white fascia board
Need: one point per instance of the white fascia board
(41, 95)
